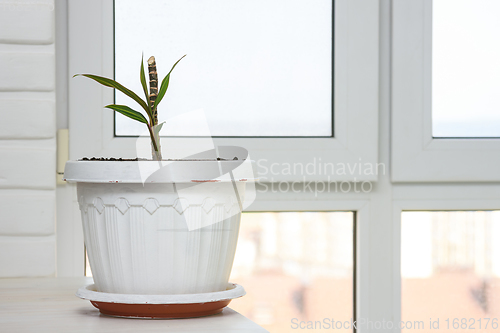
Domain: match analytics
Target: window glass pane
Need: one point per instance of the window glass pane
(466, 68)
(296, 267)
(450, 268)
(257, 68)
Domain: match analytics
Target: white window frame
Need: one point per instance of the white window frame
(416, 155)
(355, 95)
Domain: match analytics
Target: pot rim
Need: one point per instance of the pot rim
(172, 171)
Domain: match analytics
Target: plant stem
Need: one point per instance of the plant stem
(153, 87)
(155, 146)
(153, 94)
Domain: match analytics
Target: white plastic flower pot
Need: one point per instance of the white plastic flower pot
(169, 233)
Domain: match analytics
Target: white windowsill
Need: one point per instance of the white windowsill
(50, 305)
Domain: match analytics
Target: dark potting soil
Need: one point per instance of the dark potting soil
(108, 159)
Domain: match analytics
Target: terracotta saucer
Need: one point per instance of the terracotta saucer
(160, 306)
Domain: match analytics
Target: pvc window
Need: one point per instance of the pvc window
(436, 168)
(428, 98)
(355, 85)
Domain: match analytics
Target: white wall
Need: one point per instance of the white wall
(27, 138)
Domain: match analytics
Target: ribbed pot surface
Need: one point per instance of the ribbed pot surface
(138, 241)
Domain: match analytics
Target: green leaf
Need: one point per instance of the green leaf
(164, 85)
(113, 84)
(126, 111)
(145, 87)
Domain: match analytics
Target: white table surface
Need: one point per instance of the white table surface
(50, 305)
